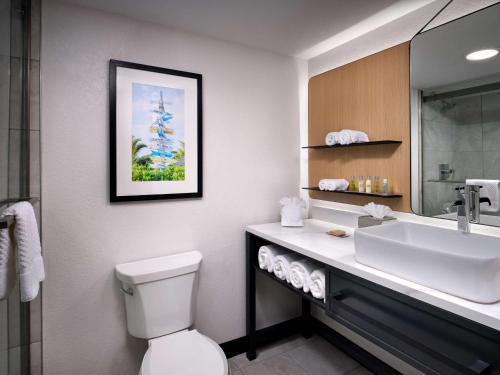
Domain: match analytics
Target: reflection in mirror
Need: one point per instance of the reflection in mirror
(455, 84)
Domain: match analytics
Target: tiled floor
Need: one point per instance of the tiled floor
(298, 356)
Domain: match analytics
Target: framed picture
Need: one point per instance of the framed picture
(155, 133)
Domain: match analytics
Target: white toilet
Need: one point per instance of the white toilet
(159, 295)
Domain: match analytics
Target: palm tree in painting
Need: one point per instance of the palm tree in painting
(179, 154)
(137, 146)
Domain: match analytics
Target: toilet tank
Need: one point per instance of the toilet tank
(159, 293)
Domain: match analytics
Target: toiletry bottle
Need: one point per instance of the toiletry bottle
(361, 184)
(368, 184)
(376, 184)
(352, 183)
(385, 185)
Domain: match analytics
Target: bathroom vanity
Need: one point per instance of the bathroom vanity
(435, 332)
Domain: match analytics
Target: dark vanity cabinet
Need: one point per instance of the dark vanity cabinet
(428, 338)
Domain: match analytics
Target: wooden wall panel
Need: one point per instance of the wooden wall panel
(372, 95)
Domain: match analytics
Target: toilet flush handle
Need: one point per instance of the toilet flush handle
(128, 291)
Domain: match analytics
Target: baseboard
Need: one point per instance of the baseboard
(264, 336)
(291, 327)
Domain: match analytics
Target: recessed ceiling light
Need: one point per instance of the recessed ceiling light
(482, 54)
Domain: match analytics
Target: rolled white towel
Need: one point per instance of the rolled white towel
(355, 136)
(300, 274)
(343, 137)
(323, 184)
(282, 265)
(317, 283)
(331, 138)
(267, 256)
(333, 184)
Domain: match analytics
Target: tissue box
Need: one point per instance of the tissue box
(291, 212)
(370, 221)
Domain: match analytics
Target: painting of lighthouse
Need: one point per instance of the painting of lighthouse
(157, 133)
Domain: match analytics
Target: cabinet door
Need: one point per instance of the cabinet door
(430, 339)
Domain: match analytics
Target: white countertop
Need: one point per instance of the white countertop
(312, 241)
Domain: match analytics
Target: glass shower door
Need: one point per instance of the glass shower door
(20, 323)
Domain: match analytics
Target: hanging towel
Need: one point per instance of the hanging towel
(26, 245)
(282, 265)
(300, 274)
(267, 256)
(7, 263)
(317, 283)
(333, 184)
(490, 189)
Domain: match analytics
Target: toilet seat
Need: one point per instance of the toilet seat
(184, 353)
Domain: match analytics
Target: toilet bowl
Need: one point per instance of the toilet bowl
(186, 353)
(159, 299)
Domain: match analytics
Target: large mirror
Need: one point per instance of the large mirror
(455, 114)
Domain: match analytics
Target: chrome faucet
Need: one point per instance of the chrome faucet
(468, 206)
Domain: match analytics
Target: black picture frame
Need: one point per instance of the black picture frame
(113, 196)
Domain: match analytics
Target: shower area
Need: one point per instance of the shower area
(20, 322)
(460, 140)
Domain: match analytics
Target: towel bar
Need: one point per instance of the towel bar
(32, 200)
(6, 221)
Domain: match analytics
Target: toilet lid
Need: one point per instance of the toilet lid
(184, 353)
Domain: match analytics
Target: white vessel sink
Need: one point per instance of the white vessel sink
(463, 264)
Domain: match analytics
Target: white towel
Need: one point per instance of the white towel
(282, 265)
(267, 256)
(7, 263)
(317, 283)
(331, 138)
(345, 137)
(300, 274)
(29, 257)
(490, 189)
(356, 136)
(333, 184)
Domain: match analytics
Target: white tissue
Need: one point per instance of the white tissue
(378, 211)
(292, 211)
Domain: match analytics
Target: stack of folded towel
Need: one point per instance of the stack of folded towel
(301, 273)
(333, 184)
(345, 137)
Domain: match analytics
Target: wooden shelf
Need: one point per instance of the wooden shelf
(384, 142)
(380, 195)
(307, 296)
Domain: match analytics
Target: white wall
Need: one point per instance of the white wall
(251, 159)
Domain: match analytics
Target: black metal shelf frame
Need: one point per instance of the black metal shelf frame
(372, 143)
(380, 195)
(309, 297)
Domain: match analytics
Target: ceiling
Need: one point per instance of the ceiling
(303, 28)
